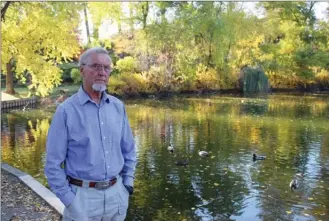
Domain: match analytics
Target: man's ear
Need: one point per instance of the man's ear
(81, 72)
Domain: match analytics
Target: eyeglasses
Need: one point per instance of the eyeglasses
(99, 67)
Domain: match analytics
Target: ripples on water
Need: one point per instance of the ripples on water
(228, 185)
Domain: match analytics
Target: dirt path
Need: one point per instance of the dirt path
(19, 202)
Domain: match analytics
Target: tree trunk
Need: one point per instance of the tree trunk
(163, 15)
(4, 10)
(10, 78)
(145, 13)
(96, 34)
(86, 22)
(209, 62)
(119, 26)
(11, 126)
(147, 54)
(131, 21)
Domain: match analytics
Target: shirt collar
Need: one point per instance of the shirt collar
(84, 97)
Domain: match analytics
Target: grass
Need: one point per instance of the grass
(70, 89)
(23, 92)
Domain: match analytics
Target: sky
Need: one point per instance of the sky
(320, 9)
(108, 29)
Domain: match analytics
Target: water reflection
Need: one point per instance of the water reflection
(23, 137)
(290, 130)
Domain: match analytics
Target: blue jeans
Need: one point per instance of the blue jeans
(91, 204)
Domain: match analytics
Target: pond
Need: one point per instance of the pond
(291, 131)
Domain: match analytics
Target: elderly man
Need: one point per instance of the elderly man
(91, 156)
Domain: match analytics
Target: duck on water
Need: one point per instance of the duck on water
(203, 153)
(293, 185)
(255, 157)
(170, 148)
(182, 162)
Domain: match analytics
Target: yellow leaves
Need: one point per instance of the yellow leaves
(38, 38)
(255, 135)
(206, 78)
(102, 11)
(287, 48)
(179, 46)
(247, 50)
(41, 130)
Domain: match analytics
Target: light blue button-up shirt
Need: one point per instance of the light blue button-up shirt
(95, 142)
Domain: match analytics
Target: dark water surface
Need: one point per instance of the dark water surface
(291, 131)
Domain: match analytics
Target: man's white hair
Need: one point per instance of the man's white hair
(85, 55)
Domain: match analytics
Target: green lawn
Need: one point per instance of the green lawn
(70, 88)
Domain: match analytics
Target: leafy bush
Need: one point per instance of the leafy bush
(66, 71)
(127, 65)
(75, 75)
(206, 78)
(279, 80)
(135, 84)
(154, 78)
(322, 79)
(128, 84)
(116, 85)
(182, 82)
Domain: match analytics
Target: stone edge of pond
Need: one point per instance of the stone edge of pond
(37, 187)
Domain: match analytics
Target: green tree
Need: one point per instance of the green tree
(140, 11)
(85, 12)
(36, 37)
(296, 43)
(102, 11)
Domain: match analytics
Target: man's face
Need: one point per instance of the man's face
(96, 71)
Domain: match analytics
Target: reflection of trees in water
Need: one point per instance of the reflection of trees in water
(273, 205)
(155, 175)
(324, 177)
(325, 148)
(12, 131)
(25, 146)
(169, 189)
(259, 107)
(220, 129)
(299, 155)
(219, 186)
(298, 108)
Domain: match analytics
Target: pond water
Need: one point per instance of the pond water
(291, 131)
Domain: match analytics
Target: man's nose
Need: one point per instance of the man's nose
(102, 71)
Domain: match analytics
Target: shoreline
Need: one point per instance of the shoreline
(53, 99)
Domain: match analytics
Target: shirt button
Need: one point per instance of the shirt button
(102, 123)
(106, 152)
(104, 138)
(108, 166)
